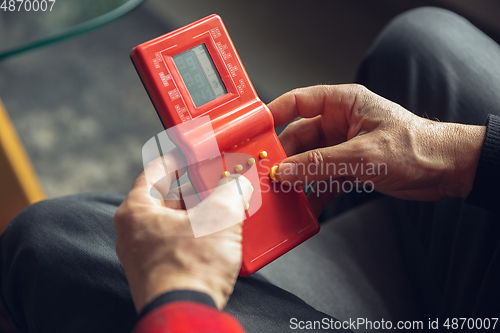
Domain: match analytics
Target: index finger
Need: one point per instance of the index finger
(310, 102)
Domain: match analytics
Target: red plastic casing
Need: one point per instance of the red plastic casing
(243, 126)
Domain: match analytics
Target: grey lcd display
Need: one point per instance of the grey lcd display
(200, 75)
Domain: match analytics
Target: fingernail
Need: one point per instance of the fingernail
(287, 171)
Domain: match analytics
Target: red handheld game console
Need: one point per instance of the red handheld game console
(194, 72)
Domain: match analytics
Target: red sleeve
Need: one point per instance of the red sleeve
(184, 316)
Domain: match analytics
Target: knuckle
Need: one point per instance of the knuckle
(296, 90)
(315, 157)
(295, 127)
(120, 214)
(379, 150)
(359, 89)
(293, 93)
(126, 216)
(367, 150)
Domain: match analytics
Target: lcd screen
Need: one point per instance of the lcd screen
(200, 75)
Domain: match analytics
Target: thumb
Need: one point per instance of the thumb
(223, 208)
(345, 159)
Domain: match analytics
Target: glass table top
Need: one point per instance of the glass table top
(27, 24)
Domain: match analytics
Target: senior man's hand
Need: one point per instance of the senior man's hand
(155, 240)
(347, 129)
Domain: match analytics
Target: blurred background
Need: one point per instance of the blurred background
(82, 112)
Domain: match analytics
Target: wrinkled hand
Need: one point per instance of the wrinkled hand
(155, 240)
(414, 158)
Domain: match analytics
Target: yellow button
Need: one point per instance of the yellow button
(272, 172)
(251, 161)
(226, 173)
(238, 168)
(263, 154)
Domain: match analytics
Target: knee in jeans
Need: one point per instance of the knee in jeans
(30, 222)
(57, 219)
(418, 31)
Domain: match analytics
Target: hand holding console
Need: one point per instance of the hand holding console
(347, 131)
(211, 111)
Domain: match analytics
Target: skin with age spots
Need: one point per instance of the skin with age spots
(350, 125)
